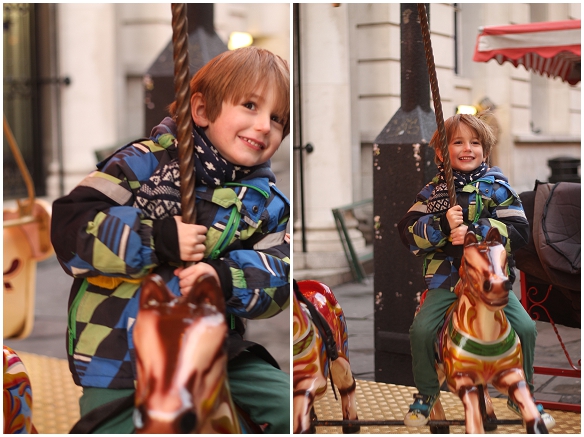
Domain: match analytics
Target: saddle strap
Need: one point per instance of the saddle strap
(89, 423)
(321, 324)
(325, 332)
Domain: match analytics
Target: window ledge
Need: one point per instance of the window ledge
(546, 139)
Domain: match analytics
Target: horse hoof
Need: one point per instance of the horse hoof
(351, 429)
(439, 429)
(489, 423)
(490, 427)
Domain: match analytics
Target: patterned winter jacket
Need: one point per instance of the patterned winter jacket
(108, 246)
(487, 202)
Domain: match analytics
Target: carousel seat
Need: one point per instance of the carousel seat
(550, 267)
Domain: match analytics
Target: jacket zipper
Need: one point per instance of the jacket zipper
(227, 234)
(233, 222)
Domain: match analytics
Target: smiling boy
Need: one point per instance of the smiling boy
(434, 230)
(123, 222)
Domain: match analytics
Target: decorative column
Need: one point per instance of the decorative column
(326, 124)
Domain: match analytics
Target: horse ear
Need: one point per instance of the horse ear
(494, 235)
(154, 289)
(470, 238)
(207, 289)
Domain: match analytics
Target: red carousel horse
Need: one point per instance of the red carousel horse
(311, 363)
(181, 361)
(17, 395)
(478, 345)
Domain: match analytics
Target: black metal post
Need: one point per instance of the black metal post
(298, 119)
(403, 164)
(204, 44)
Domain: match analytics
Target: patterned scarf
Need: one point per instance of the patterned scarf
(439, 199)
(159, 197)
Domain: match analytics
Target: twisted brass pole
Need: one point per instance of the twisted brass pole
(186, 157)
(437, 103)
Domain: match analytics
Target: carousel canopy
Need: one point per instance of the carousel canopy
(550, 48)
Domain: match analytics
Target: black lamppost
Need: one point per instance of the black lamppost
(403, 163)
(204, 45)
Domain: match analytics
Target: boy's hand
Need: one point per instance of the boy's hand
(188, 276)
(191, 240)
(457, 235)
(454, 217)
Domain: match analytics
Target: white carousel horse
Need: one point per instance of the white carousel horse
(478, 344)
(182, 362)
(311, 364)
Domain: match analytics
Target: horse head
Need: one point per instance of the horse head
(483, 270)
(181, 360)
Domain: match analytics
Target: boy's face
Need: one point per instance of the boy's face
(465, 150)
(247, 133)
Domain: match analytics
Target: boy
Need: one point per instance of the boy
(123, 222)
(434, 230)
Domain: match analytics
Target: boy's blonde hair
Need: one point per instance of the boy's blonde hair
(234, 75)
(485, 133)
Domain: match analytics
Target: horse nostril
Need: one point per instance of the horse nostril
(188, 422)
(487, 285)
(507, 285)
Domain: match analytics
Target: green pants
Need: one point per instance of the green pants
(425, 327)
(256, 386)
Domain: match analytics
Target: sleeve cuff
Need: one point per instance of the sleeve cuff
(444, 225)
(165, 236)
(224, 274)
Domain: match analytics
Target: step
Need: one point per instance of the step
(330, 277)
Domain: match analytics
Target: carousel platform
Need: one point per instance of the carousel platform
(383, 402)
(56, 407)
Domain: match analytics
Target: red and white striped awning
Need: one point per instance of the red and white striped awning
(550, 48)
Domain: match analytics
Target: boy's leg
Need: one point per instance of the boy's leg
(423, 335)
(527, 332)
(525, 328)
(95, 397)
(262, 391)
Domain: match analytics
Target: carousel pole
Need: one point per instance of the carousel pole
(184, 123)
(437, 102)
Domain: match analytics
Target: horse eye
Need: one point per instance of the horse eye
(187, 423)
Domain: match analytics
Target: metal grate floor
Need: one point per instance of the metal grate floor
(56, 406)
(379, 401)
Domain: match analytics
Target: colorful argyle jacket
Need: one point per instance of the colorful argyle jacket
(487, 202)
(108, 246)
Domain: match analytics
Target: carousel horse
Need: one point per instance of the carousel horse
(181, 361)
(311, 358)
(17, 395)
(26, 241)
(478, 346)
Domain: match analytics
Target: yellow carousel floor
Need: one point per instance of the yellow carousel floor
(56, 408)
(378, 401)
